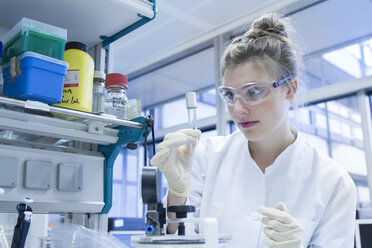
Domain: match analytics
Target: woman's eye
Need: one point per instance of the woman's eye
(229, 95)
(255, 91)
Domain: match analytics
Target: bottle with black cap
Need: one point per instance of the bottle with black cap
(78, 84)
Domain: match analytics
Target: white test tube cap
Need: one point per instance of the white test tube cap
(190, 100)
(2, 191)
(27, 215)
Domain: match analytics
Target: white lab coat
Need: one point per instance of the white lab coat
(227, 184)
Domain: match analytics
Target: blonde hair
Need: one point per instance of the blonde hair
(266, 43)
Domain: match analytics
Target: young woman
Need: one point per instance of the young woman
(263, 183)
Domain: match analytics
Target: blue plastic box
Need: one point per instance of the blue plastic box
(33, 76)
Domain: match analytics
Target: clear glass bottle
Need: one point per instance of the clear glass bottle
(99, 91)
(116, 96)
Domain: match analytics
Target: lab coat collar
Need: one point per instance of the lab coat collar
(285, 157)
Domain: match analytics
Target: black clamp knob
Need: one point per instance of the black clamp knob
(181, 212)
(132, 146)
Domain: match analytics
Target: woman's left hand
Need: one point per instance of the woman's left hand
(282, 230)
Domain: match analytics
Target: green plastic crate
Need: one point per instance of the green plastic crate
(33, 36)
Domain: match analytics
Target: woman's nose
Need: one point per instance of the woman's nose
(240, 107)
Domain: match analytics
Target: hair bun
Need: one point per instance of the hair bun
(269, 23)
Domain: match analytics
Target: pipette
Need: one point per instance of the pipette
(23, 223)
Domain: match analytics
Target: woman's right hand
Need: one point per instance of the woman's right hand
(175, 158)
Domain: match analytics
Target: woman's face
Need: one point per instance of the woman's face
(265, 118)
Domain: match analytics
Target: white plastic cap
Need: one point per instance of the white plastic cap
(99, 74)
(190, 100)
(2, 191)
(27, 215)
(28, 200)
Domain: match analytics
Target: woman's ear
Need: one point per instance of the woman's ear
(292, 89)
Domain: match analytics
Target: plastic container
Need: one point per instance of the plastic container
(98, 100)
(33, 76)
(74, 236)
(78, 85)
(116, 97)
(31, 35)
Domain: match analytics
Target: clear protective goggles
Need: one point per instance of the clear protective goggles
(251, 93)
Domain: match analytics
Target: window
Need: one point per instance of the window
(334, 127)
(126, 193)
(349, 62)
(363, 196)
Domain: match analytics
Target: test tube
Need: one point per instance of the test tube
(191, 109)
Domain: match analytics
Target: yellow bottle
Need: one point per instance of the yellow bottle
(78, 84)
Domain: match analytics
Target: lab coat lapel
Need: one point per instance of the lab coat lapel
(237, 189)
(287, 177)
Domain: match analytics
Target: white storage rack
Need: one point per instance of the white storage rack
(65, 165)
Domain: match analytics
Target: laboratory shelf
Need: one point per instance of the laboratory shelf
(53, 127)
(36, 135)
(85, 127)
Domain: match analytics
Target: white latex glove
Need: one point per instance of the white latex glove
(174, 159)
(282, 230)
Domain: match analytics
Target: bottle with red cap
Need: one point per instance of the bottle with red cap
(116, 96)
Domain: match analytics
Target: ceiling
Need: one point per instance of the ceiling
(320, 26)
(181, 25)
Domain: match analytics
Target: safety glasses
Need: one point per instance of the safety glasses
(251, 93)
